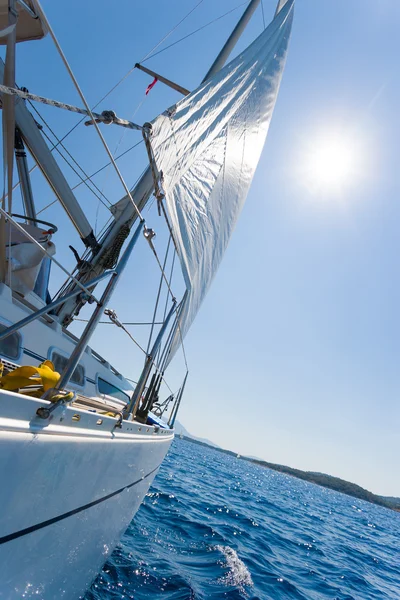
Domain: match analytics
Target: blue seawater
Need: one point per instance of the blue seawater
(215, 527)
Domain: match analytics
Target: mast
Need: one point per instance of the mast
(23, 173)
(232, 40)
(280, 5)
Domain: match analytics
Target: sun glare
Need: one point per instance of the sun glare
(331, 163)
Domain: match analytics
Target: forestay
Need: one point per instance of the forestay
(208, 146)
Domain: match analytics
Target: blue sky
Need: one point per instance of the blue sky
(294, 355)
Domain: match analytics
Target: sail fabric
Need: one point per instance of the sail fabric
(208, 146)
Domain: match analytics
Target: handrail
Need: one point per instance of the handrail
(46, 309)
(26, 218)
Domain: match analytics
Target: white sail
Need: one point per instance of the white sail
(208, 147)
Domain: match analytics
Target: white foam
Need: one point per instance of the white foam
(238, 574)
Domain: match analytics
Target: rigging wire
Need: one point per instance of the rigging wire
(166, 300)
(150, 52)
(158, 295)
(59, 143)
(115, 152)
(262, 11)
(172, 30)
(106, 96)
(93, 174)
(123, 322)
(161, 269)
(80, 177)
(114, 321)
(195, 31)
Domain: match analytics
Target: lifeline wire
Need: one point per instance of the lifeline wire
(114, 321)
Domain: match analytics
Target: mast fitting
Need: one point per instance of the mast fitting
(168, 82)
(149, 234)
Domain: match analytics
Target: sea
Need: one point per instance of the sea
(216, 527)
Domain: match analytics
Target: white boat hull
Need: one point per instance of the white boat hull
(69, 489)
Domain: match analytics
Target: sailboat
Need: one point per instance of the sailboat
(79, 444)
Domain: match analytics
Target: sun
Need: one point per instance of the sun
(331, 162)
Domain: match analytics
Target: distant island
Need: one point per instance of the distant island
(328, 481)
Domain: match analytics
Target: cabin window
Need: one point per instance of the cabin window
(60, 362)
(11, 345)
(111, 390)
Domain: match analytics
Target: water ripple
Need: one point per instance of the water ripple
(215, 527)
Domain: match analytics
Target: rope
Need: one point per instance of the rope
(149, 55)
(262, 11)
(95, 117)
(110, 258)
(161, 204)
(105, 117)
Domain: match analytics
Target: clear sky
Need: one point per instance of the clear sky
(294, 355)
